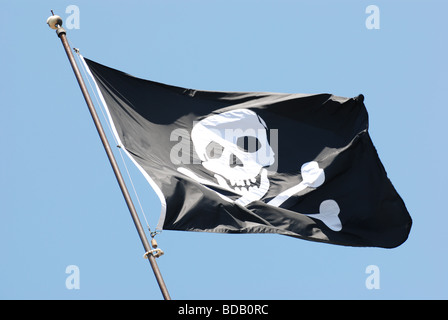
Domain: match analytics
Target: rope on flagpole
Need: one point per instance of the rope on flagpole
(156, 252)
(119, 146)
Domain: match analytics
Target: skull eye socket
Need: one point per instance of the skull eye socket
(249, 144)
(214, 150)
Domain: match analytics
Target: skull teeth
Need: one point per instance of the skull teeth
(239, 186)
(243, 183)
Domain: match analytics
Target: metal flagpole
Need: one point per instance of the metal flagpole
(55, 22)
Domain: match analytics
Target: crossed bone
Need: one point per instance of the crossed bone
(328, 214)
(312, 177)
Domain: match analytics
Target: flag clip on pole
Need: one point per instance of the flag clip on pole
(55, 22)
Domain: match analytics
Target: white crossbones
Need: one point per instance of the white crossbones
(312, 176)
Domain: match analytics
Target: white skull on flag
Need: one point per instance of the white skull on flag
(234, 145)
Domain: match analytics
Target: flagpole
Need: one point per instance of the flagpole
(55, 22)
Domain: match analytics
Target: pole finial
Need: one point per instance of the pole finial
(54, 21)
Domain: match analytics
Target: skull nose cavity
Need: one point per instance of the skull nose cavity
(234, 161)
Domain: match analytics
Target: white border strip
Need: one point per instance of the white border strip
(153, 185)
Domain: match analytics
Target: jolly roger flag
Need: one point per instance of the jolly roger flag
(250, 162)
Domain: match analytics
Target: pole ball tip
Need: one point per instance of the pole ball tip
(54, 22)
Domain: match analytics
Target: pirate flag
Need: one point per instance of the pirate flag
(249, 162)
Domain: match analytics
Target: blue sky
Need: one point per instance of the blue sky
(60, 204)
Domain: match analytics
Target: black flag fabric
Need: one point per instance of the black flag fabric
(249, 162)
